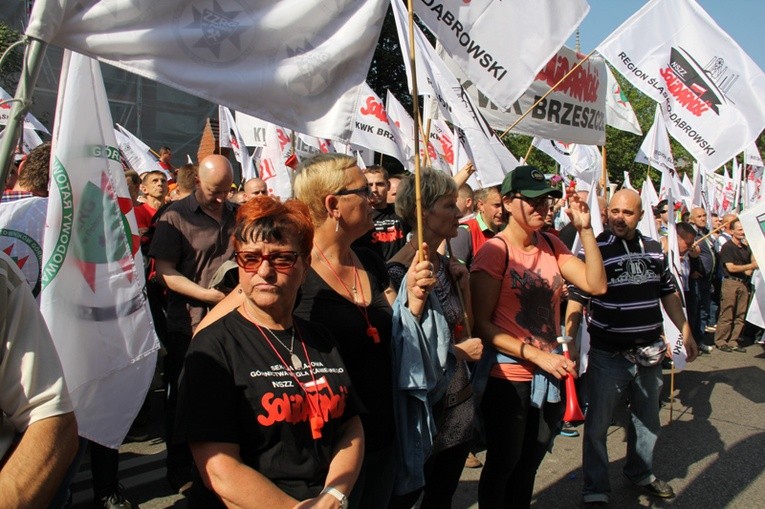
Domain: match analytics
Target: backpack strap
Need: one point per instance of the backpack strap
(549, 242)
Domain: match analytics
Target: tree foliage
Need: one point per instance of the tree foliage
(10, 68)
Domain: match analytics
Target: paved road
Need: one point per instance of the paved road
(712, 453)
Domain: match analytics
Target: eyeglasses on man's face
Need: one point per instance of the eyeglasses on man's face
(251, 261)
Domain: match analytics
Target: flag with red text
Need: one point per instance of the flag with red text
(93, 296)
(711, 94)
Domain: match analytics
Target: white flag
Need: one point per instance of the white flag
(673, 335)
(581, 162)
(295, 63)
(253, 129)
(655, 150)
(22, 224)
(752, 156)
(597, 229)
(736, 176)
(756, 312)
(697, 188)
(485, 39)
(491, 158)
(137, 153)
(29, 140)
(619, 112)
(649, 199)
(441, 146)
(627, 184)
(229, 134)
(30, 122)
(402, 128)
(371, 127)
(754, 190)
(92, 276)
(271, 168)
(753, 223)
(711, 93)
(574, 111)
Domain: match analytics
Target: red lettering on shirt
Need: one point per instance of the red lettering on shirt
(295, 408)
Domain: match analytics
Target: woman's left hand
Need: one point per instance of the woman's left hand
(469, 350)
(419, 282)
(578, 211)
(459, 273)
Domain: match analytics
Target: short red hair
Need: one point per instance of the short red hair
(264, 218)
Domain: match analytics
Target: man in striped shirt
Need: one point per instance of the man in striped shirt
(625, 327)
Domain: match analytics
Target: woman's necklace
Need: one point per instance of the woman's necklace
(352, 291)
(294, 359)
(359, 301)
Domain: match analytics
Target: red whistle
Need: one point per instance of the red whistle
(316, 424)
(372, 333)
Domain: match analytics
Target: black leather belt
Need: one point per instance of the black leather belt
(452, 400)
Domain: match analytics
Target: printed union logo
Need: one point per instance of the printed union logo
(698, 89)
(537, 175)
(219, 34)
(26, 253)
(305, 70)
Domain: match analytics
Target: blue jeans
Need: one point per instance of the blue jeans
(611, 377)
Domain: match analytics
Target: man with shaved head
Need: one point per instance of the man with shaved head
(190, 242)
(627, 347)
(255, 187)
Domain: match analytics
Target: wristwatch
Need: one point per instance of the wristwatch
(338, 495)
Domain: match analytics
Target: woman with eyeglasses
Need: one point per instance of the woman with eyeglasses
(517, 279)
(265, 401)
(345, 290)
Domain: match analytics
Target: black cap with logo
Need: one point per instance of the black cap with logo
(528, 181)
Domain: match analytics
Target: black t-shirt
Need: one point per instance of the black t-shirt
(368, 363)
(387, 236)
(235, 389)
(737, 255)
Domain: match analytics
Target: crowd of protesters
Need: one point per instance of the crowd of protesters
(333, 351)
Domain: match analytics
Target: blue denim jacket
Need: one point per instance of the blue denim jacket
(423, 364)
(544, 386)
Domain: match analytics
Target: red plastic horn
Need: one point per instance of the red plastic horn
(573, 414)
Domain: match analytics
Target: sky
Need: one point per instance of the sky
(741, 19)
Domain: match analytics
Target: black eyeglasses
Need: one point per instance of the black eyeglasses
(251, 261)
(539, 201)
(364, 192)
(663, 211)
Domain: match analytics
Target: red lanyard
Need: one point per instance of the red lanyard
(372, 331)
(316, 419)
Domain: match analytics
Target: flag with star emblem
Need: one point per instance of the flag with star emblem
(295, 63)
(93, 297)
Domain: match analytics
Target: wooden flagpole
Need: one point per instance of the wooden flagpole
(416, 112)
(528, 152)
(531, 108)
